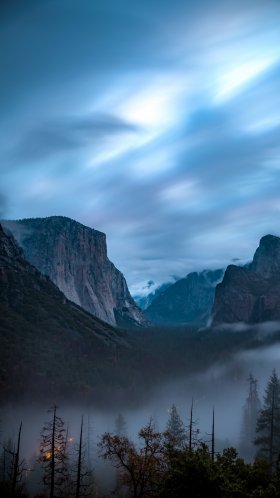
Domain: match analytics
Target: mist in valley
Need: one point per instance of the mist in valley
(222, 386)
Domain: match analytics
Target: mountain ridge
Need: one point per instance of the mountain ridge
(188, 301)
(75, 257)
(251, 294)
(49, 344)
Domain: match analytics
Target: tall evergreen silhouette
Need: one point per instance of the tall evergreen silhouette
(268, 422)
(251, 411)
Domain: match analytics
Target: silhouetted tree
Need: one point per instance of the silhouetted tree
(89, 444)
(52, 454)
(268, 422)
(191, 474)
(213, 437)
(6, 461)
(79, 464)
(233, 474)
(192, 431)
(83, 480)
(120, 425)
(176, 433)
(250, 414)
(140, 468)
(13, 469)
(17, 466)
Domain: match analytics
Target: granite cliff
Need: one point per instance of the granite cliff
(49, 345)
(251, 294)
(75, 258)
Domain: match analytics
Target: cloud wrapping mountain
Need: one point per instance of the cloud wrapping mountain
(156, 123)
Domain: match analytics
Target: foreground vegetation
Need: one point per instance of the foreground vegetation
(157, 468)
(170, 464)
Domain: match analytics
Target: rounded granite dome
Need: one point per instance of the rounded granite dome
(266, 260)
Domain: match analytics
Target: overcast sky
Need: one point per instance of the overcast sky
(156, 122)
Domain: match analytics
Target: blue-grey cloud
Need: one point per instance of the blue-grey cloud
(68, 134)
(157, 123)
(3, 205)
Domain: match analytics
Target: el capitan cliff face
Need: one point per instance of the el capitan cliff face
(251, 294)
(50, 347)
(75, 258)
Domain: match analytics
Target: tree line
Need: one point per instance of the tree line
(174, 463)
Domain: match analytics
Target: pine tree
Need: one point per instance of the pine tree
(176, 433)
(250, 414)
(53, 455)
(120, 425)
(268, 422)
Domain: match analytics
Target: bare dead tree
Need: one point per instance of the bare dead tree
(83, 483)
(193, 432)
(13, 467)
(16, 470)
(213, 437)
(191, 427)
(79, 469)
(52, 453)
(141, 469)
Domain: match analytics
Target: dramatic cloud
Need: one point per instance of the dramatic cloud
(2, 205)
(157, 123)
(69, 134)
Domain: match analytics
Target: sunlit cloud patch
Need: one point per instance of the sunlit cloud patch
(159, 125)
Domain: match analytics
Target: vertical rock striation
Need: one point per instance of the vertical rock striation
(75, 258)
(251, 294)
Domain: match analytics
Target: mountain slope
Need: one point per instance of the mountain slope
(188, 301)
(52, 351)
(75, 258)
(144, 301)
(49, 345)
(251, 294)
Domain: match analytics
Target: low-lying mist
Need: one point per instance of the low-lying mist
(220, 383)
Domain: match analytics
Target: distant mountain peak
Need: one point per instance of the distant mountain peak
(251, 294)
(266, 261)
(188, 301)
(269, 238)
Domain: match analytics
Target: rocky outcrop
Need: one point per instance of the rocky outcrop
(50, 346)
(266, 262)
(75, 258)
(22, 286)
(9, 250)
(251, 294)
(187, 301)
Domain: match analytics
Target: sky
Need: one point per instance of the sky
(155, 122)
